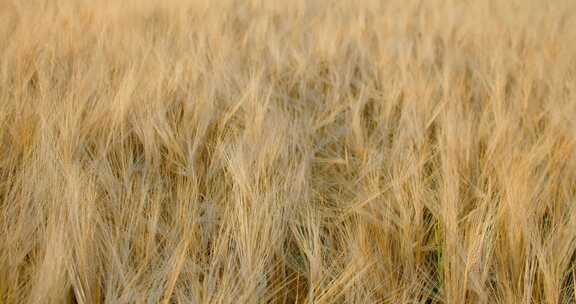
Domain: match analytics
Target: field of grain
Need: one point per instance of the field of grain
(302, 151)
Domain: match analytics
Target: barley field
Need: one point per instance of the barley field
(302, 151)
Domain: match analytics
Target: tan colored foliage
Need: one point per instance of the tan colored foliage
(366, 151)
